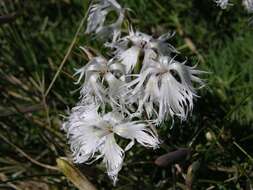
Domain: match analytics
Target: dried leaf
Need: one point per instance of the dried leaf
(74, 175)
(172, 157)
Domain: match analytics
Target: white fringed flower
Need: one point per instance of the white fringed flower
(91, 136)
(97, 16)
(223, 3)
(140, 79)
(165, 88)
(103, 79)
(130, 48)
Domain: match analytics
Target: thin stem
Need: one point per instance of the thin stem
(30, 176)
(241, 149)
(66, 56)
(27, 156)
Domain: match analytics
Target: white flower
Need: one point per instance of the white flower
(103, 79)
(91, 136)
(129, 48)
(97, 16)
(248, 5)
(223, 3)
(140, 79)
(165, 88)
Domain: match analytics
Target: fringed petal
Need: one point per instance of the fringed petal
(113, 157)
(137, 131)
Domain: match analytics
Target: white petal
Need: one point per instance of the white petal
(96, 64)
(129, 58)
(113, 118)
(137, 131)
(248, 4)
(162, 46)
(223, 3)
(113, 157)
(93, 87)
(80, 72)
(84, 139)
(115, 85)
(129, 146)
(151, 94)
(149, 58)
(114, 3)
(175, 98)
(96, 19)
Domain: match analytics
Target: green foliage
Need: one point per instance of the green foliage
(219, 132)
(232, 68)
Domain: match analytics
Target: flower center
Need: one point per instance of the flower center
(104, 130)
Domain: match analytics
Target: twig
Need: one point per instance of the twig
(4, 19)
(179, 170)
(241, 149)
(4, 178)
(44, 102)
(24, 109)
(27, 156)
(30, 176)
(66, 56)
(222, 169)
(211, 187)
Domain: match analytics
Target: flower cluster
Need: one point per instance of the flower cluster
(127, 94)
